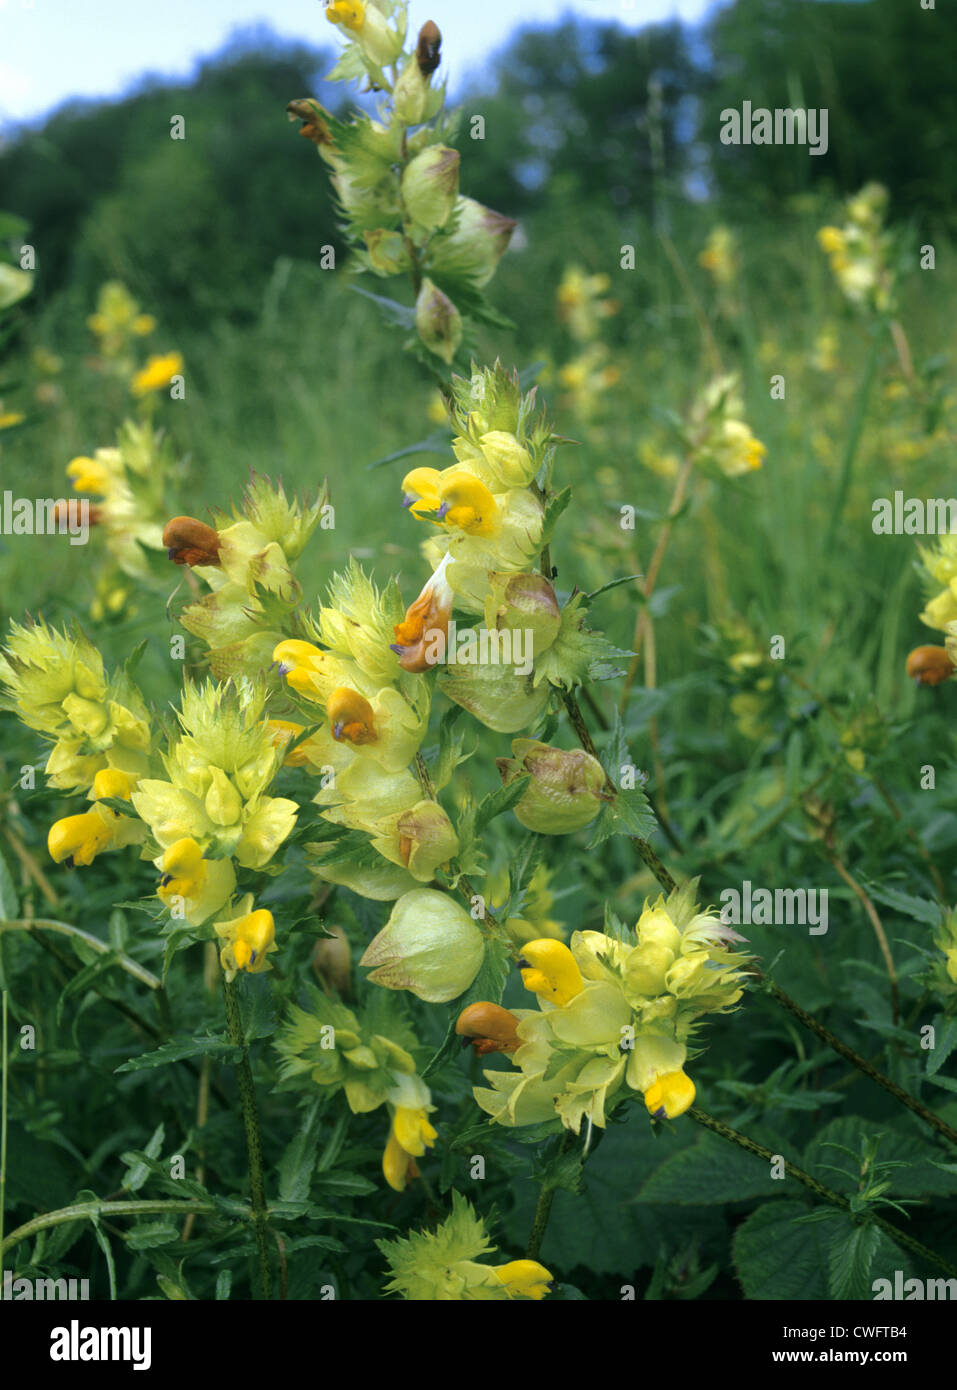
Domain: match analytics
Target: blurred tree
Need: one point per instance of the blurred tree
(884, 71)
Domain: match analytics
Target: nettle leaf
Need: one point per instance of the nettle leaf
(778, 1256)
(852, 1252)
(138, 1171)
(217, 1047)
(709, 1173)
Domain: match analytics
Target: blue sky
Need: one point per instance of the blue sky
(54, 49)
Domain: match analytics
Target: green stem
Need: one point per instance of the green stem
(81, 1210)
(254, 1148)
(127, 963)
(853, 440)
(543, 1207)
(643, 847)
(826, 1194)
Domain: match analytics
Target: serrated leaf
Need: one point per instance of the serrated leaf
(497, 802)
(945, 1040)
(298, 1163)
(138, 1171)
(850, 1259)
(709, 1173)
(778, 1256)
(400, 315)
(216, 1047)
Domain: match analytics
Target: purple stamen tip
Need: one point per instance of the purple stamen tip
(441, 513)
(337, 732)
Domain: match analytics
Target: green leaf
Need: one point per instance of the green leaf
(849, 1264)
(945, 1040)
(920, 909)
(146, 1235)
(9, 901)
(298, 1163)
(344, 1184)
(138, 1171)
(497, 802)
(401, 315)
(779, 1257)
(224, 1282)
(215, 1047)
(553, 511)
(104, 1244)
(612, 584)
(438, 442)
(709, 1173)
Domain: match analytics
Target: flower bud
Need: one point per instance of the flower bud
(427, 48)
(437, 321)
(526, 602)
(489, 1028)
(509, 460)
(429, 946)
(332, 962)
(475, 246)
(497, 696)
(930, 665)
(430, 186)
(565, 790)
(387, 253)
(410, 93)
(191, 542)
(426, 839)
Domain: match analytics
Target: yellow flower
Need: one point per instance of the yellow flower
(349, 13)
(110, 781)
(249, 939)
(89, 475)
(410, 1134)
(77, 840)
(10, 418)
(670, 1095)
(158, 372)
(549, 969)
(524, 1278)
(143, 324)
(831, 240)
(201, 885)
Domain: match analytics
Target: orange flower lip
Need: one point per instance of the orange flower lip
(191, 542)
(417, 638)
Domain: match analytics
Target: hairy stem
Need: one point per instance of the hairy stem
(254, 1149)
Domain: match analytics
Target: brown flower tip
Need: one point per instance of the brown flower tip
(312, 115)
(489, 1028)
(427, 53)
(191, 542)
(930, 665)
